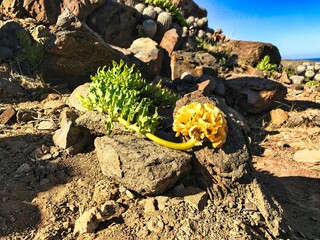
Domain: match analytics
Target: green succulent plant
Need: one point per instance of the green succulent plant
(313, 83)
(170, 7)
(124, 95)
(267, 67)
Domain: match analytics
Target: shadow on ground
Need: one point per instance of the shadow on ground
(300, 200)
(22, 178)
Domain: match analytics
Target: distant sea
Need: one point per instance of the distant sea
(308, 59)
(313, 59)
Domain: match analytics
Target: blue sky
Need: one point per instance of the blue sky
(293, 26)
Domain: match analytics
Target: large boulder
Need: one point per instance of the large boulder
(254, 94)
(139, 164)
(74, 52)
(116, 23)
(227, 173)
(251, 53)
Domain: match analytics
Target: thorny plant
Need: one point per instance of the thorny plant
(124, 96)
(170, 7)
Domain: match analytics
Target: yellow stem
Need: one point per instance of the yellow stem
(172, 145)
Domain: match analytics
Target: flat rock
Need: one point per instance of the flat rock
(7, 114)
(141, 165)
(307, 156)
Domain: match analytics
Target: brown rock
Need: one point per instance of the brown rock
(170, 40)
(116, 23)
(75, 52)
(82, 8)
(150, 55)
(12, 8)
(7, 114)
(251, 53)
(278, 116)
(196, 197)
(284, 78)
(195, 63)
(72, 137)
(190, 8)
(42, 10)
(90, 219)
(253, 94)
(74, 101)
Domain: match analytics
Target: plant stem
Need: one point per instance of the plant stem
(172, 145)
(177, 146)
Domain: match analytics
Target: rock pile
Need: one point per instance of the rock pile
(306, 72)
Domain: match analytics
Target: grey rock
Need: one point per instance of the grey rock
(301, 69)
(148, 56)
(317, 77)
(141, 165)
(72, 137)
(94, 121)
(90, 219)
(228, 170)
(74, 101)
(309, 74)
(5, 53)
(297, 79)
(116, 23)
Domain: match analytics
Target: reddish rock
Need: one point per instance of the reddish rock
(194, 63)
(278, 116)
(284, 78)
(254, 94)
(7, 115)
(170, 41)
(251, 53)
(42, 10)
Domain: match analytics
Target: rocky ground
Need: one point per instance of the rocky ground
(45, 190)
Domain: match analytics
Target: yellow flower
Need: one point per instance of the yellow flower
(201, 121)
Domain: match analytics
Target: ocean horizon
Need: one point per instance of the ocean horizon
(304, 59)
